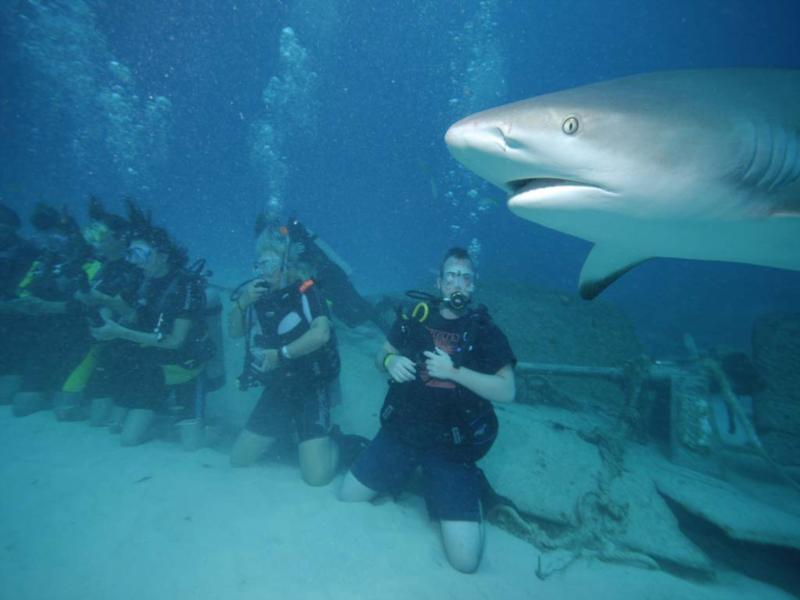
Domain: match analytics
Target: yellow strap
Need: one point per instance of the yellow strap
(80, 376)
(176, 374)
(92, 268)
(424, 309)
(26, 281)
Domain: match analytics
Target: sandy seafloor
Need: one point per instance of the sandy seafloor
(83, 518)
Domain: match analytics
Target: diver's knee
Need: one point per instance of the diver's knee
(248, 448)
(318, 459)
(352, 490)
(136, 426)
(463, 544)
(464, 563)
(317, 476)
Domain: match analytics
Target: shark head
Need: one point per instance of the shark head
(644, 166)
(537, 150)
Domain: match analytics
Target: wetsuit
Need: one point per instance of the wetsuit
(137, 376)
(16, 258)
(437, 424)
(113, 278)
(300, 390)
(56, 343)
(118, 278)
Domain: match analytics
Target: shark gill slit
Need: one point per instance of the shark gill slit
(751, 168)
(777, 162)
(768, 163)
(790, 170)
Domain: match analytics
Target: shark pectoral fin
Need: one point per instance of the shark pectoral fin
(603, 266)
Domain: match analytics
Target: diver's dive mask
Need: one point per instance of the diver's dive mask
(95, 233)
(138, 254)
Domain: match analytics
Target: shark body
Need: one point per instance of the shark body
(698, 164)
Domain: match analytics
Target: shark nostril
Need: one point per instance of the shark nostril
(508, 141)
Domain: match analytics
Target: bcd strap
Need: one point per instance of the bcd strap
(419, 313)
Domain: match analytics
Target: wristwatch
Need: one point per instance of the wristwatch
(284, 353)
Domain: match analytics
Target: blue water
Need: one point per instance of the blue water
(166, 101)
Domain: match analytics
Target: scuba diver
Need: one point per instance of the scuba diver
(165, 343)
(16, 254)
(111, 292)
(56, 338)
(447, 363)
(329, 270)
(16, 257)
(291, 350)
(115, 285)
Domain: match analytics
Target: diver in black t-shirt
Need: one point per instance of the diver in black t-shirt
(165, 343)
(291, 351)
(447, 364)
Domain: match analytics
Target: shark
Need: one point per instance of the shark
(689, 164)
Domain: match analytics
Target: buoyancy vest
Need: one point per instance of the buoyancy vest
(280, 318)
(465, 425)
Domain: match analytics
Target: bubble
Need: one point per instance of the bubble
(474, 249)
(477, 79)
(96, 94)
(291, 106)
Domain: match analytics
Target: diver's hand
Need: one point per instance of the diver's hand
(84, 297)
(110, 330)
(252, 293)
(29, 305)
(401, 368)
(265, 360)
(439, 364)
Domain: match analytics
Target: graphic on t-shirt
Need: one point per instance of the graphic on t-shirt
(446, 341)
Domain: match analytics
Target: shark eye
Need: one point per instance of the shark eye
(570, 125)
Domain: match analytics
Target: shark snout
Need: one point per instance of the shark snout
(485, 147)
(475, 135)
(459, 135)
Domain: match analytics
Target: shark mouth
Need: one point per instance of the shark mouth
(553, 192)
(519, 186)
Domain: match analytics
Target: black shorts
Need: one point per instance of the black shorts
(134, 376)
(304, 403)
(452, 489)
(54, 346)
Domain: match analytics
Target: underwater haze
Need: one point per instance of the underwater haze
(206, 111)
(670, 475)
